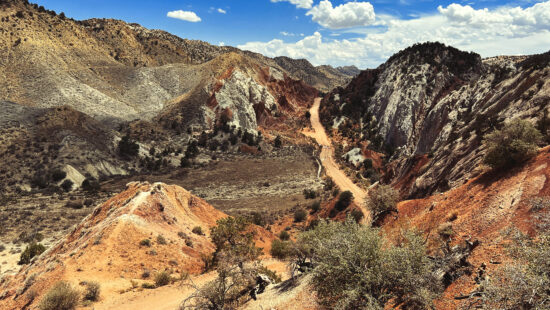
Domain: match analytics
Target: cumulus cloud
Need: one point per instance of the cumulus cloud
(222, 11)
(302, 4)
(184, 15)
(347, 15)
(504, 30)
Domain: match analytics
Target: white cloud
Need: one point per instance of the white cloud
(184, 15)
(302, 4)
(222, 11)
(287, 34)
(500, 31)
(221, 43)
(351, 14)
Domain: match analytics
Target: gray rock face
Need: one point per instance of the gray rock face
(241, 94)
(441, 106)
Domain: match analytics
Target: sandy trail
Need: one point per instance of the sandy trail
(327, 158)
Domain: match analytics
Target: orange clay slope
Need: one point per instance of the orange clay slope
(106, 247)
(484, 207)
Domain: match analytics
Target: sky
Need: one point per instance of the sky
(336, 32)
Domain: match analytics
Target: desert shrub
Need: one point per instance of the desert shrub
(357, 215)
(145, 242)
(67, 185)
(185, 162)
(93, 290)
(58, 175)
(277, 142)
(148, 286)
(128, 148)
(233, 240)
(300, 215)
(192, 149)
(91, 185)
(258, 218)
(309, 194)
(515, 143)
(161, 240)
(74, 204)
(281, 249)
(163, 278)
(523, 284)
(32, 250)
(445, 230)
(382, 200)
(344, 200)
(2, 248)
(316, 206)
(197, 230)
(272, 275)
(62, 296)
(284, 235)
(355, 268)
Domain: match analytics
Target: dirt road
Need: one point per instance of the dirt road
(327, 158)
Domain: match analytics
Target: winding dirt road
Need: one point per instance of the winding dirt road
(327, 158)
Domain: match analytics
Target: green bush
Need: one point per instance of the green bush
(357, 215)
(281, 249)
(382, 200)
(161, 240)
(197, 230)
(128, 148)
(233, 240)
(145, 242)
(62, 296)
(32, 250)
(92, 292)
(355, 268)
(344, 200)
(515, 143)
(58, 175)
(67, 185)
(300, 215)
(284, 235)
(316, 206)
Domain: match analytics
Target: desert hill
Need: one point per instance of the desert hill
(109, 245)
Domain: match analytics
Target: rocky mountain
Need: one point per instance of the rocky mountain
(93, 81)
(429, 106)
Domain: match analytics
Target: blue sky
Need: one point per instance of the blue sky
(334, 31)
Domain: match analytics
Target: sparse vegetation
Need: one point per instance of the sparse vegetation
(515, 143)
(381, 201)
(32, 250)
(524, 284)
(62, 296)
(310, 194)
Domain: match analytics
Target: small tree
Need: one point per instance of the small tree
(127, 147)
(515, 143)
(277, 142)
(32, 250)
(300, 215)
(344, 200)
(67, 185)
(382, 200)
(281, 249)
(231, 238)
